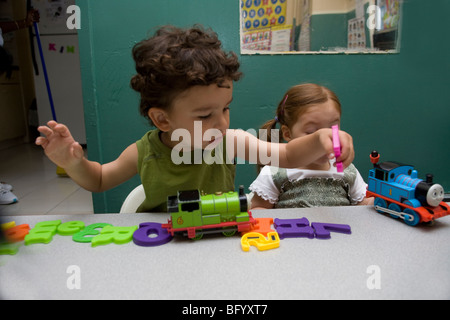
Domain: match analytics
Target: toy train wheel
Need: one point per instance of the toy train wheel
(380, 203)
(198, 236)
(395, 207)
(229, 232)
(411, 217)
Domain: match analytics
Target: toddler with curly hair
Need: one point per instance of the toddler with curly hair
(185, 81)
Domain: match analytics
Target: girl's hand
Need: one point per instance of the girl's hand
(59, 145)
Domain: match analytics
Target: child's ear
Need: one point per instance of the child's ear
(286, 133)
(159, 118)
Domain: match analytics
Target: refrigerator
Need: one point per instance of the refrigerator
(61, 53)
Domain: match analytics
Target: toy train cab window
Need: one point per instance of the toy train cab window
(189, 196)
(187, 201)
(388, 171)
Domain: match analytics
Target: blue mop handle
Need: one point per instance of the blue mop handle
(44, 67)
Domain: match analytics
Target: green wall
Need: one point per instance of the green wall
(398, 104)
(328, 31)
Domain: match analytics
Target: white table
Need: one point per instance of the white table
(381, 259)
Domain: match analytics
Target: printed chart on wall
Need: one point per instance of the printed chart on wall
(264, 25)
(356, 33)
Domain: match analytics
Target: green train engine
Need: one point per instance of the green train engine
(194, 215)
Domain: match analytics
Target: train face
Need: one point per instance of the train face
(431, 194)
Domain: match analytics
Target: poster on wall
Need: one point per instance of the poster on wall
(259, 14)
(257, 39)
(262, 20)
(269, 39)
(390, 13)
(356, 34)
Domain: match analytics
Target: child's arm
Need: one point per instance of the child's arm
(366, 202)
(260, 203)
(64, 151)
(296, 153)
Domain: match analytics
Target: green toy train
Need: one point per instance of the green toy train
(194, 215)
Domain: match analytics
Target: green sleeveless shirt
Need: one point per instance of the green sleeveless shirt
(162, 178)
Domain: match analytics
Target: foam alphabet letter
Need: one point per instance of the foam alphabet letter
(9, 248)
(17, 233)
(323, 229)
(259, 241)
(294, 228)
(69, 228)
(86, 235)
(263, 226)
(141, 236)
(42, 232)
(118, 235)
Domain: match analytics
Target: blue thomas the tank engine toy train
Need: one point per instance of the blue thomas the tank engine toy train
(398, 192)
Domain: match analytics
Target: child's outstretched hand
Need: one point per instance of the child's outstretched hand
(59, 145)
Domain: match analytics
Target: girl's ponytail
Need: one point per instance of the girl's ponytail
(268, 127)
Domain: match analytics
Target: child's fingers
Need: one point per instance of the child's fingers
(62, 130)
(59, 128)
(41, 141)
(326, 140)
(51, 124)
(45, 131)
(347, 151)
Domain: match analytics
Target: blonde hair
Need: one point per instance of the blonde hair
(296, 101)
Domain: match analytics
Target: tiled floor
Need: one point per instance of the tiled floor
(39, 189)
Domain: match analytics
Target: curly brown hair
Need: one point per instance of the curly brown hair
(175, 59)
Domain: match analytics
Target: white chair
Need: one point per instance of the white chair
(133, 200)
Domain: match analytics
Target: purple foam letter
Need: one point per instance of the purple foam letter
(294, 228)
(323, 229)
(141, 235)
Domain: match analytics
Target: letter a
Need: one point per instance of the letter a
(74, 281)
(74, 21)
(374, 281)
